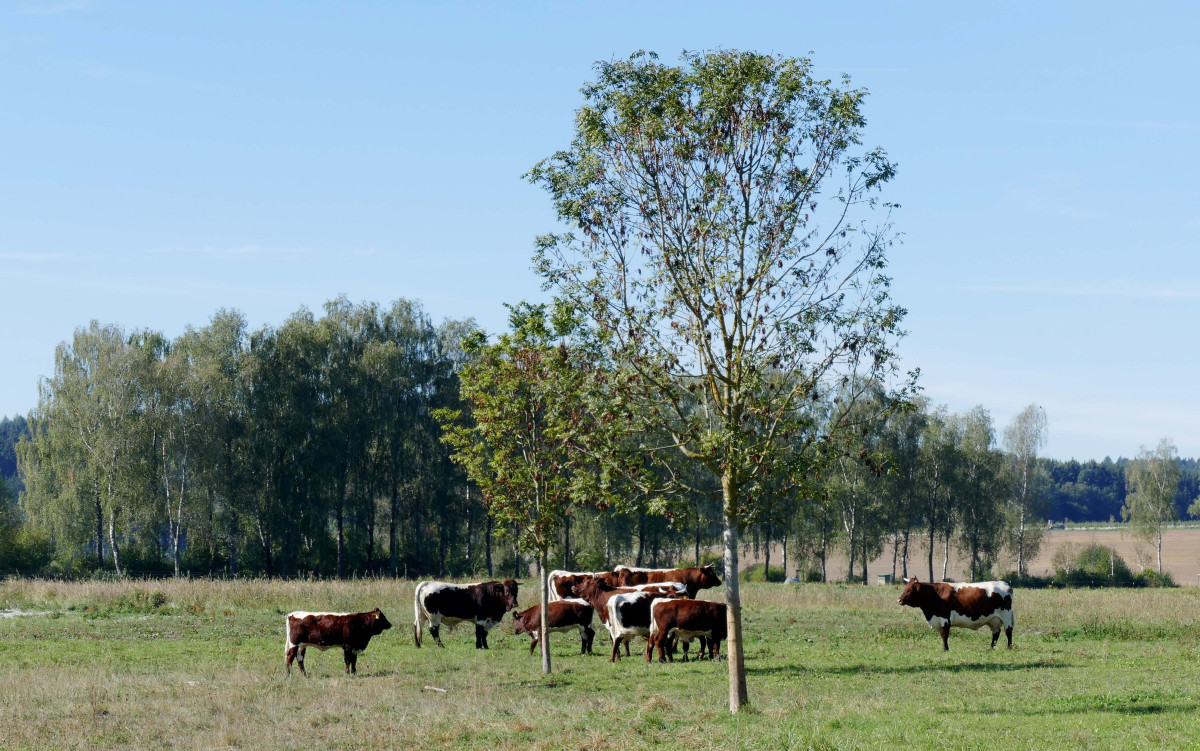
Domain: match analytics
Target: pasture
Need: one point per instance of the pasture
(199, 664)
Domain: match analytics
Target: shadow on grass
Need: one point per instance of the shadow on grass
(1088, 705)
(866, 669)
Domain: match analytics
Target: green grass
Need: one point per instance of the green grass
(200, 665)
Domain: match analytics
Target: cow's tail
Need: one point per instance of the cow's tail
(418, 613)
(653, 620)
(551, 589)
(614, 625)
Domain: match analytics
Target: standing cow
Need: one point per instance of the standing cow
(968, 605)
(684, 620)
(564, 615)
(442, 602)
(693, 579)
(350, 631)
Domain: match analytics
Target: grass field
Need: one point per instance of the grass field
(199, 664)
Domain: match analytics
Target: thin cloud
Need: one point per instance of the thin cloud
(55, 9)
(1113, 289)
(1149, 125)
(33, 255)
(242, 251)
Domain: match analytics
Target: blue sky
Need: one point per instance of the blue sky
(162, 161)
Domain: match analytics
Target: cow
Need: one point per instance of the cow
(597, 593)
(966, 605)
(564, 615)
(686, 620)
(350, 631)
(560, 583)
(694, 579)
(485, 604)
(629, 616)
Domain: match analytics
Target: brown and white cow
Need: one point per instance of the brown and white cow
(561, 583)
(629, 616)
(598, 594)
(684, 620)
(694, 579)
(563, 615)
(350, 631)
(967, 605)
(484, 604)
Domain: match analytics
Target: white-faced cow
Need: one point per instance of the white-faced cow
(684, 620)
(483, 604)
(350, 631)
(564, 615)
(693, 579)
(968, 605)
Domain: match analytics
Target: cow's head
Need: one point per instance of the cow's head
(379, 620)
(589, 588)
(609, 579)
(519, 622)
(708, 577)
(510, 594)
(911, 594)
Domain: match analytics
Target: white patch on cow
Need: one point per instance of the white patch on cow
(677, 586)
(618, 630)
(553, 577)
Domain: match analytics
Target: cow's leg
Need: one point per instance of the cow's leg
(436, 633)
(480, 636)
(290, 654)
(1008, 633)
(417, 634)
(946, 637)
(649, 649)
(685, 646)
(616, 649)
(349, 658)
(300, 661)
(533, 643)
(627, 647)
(995, 636)
(703, 646)
(590, 635)
(714, 649)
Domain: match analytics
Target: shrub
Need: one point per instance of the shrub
(755, 574)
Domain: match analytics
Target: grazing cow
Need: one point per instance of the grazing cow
(629, 616)
(968, 605)
(350, 631)
(564, 615)
(440, 602)
(686, 620)
(694, 579)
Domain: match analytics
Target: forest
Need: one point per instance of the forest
(310, 448)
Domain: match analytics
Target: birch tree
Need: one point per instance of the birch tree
(1023, 438)
(1151, 481)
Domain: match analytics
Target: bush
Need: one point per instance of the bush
(755, 574)
(1151, 578)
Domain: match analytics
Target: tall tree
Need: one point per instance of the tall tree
(978, 500)
(720, 234)
(1023, 438)
(1152, 480)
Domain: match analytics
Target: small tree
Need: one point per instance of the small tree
(1151, 481)
(727, 254)
(528, 417)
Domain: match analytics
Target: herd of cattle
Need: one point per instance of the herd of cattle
(657, 604)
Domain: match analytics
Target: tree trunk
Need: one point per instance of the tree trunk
(785, 568)
(767, 556)
(566, 544)
(232, 542)
(697, 536)
(946, 555)
(932, 542)
(544, 598)
(641, 539)
(341, 536)
(1160, 551)
(99, 530)
(1021, 544)
(487, 552)
(904, 559)
(112, 540)
(738, 694)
